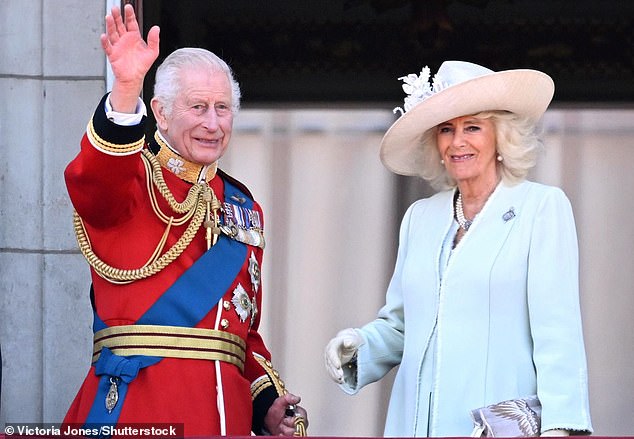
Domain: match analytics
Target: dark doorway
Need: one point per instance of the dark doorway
(353, 51)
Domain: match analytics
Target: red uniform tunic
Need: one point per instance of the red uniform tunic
(107, 186)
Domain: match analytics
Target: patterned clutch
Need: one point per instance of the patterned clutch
(513, 418)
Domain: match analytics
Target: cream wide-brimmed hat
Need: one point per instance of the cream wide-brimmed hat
(458, 89)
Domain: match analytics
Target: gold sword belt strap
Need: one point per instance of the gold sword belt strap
(172, 342)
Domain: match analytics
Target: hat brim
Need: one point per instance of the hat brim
(524, 92)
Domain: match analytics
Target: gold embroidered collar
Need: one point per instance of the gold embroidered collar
(184, 169)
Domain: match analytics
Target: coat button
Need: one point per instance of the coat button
(224, 323)
(226, 305)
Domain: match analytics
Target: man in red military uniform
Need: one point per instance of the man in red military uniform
(175, 247)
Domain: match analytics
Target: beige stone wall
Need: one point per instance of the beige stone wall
(51, 73)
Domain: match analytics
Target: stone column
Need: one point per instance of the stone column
(51, 76)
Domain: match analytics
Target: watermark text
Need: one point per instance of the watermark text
(30, 430)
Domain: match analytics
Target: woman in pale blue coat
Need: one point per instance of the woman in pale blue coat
(483, 305)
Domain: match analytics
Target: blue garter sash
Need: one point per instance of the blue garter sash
(187, 301)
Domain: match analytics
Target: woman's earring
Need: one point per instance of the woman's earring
(442, 162)
(500, 158)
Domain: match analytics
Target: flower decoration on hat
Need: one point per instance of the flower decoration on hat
(417, 88)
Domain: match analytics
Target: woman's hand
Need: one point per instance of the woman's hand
(340, 351)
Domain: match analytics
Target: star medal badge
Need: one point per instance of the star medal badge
(242, 303)
(254, 271)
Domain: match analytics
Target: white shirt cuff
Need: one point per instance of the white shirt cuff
(126, 119)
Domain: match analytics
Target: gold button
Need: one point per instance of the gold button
(227, 305)
(224, 323)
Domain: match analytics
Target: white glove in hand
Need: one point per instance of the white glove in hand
(340, 350)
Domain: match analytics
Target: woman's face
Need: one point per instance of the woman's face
(467, 145)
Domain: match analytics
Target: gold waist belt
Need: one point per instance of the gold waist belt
(171, 341)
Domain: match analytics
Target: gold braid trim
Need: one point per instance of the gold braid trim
(194, 207)
(259, 385)
(113, 148)
(172, 342)
(272, 378)
(300, 427)
(273, 375)
(157, 178)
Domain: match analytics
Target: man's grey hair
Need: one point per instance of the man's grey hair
(167, 83)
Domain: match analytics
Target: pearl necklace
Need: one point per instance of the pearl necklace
(462, 221)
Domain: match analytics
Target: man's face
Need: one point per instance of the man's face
(200, 123)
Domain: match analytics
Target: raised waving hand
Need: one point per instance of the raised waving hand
(130, 56)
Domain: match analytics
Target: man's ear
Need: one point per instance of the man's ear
(159, 113)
